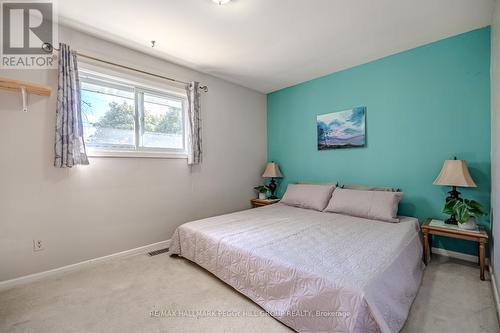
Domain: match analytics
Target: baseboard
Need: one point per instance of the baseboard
(156, 246)
(457, 255)
(37, 276)
(495, 291)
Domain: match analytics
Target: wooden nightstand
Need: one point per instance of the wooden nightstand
(447, 230)
(259, 202)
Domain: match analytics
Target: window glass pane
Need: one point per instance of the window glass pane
(107, 115)
(163, 123)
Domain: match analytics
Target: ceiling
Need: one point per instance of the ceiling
(267, 45)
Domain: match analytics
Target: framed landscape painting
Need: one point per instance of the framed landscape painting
(344, 129)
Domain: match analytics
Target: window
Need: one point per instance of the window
(121, 118)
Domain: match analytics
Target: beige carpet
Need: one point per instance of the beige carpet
(122, 295)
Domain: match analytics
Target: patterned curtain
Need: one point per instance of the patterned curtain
(194, 117)
(69, 145)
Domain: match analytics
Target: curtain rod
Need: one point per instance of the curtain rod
(47, 47)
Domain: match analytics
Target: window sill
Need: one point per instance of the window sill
(135, 154)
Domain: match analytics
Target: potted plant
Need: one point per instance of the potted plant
(465, 211)
(262, 190)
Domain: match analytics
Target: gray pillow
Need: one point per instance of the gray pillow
(336, 184)
(373, 205)
(308, 196)
(369, 188)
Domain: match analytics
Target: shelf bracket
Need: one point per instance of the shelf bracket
(24, 95)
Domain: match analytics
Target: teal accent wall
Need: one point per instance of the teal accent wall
(424, 105)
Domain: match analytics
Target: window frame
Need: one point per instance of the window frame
(118, 80)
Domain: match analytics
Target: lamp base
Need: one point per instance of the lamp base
(453, 195)
(451, 220)
(272, 187)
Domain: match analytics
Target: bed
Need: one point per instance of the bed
(313, 271)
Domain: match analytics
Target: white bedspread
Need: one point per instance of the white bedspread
(313, 271)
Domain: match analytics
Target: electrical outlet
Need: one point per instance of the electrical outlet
(38, 245)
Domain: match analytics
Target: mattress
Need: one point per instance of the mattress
(313, 271)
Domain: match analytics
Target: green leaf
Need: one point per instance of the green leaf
(449, 207)
(261, 189)
(463, 210)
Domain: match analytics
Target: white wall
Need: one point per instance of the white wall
(118, 204)
(495, 139)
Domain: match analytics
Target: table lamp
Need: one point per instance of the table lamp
(272, 171)
(454, 173)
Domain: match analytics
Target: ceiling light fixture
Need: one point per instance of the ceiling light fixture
(221, 2)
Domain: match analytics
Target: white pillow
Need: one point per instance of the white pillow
(373, 205)
(369, 188)
(308, 196)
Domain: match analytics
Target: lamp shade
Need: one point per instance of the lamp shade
(272, 171)
(455, 173)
